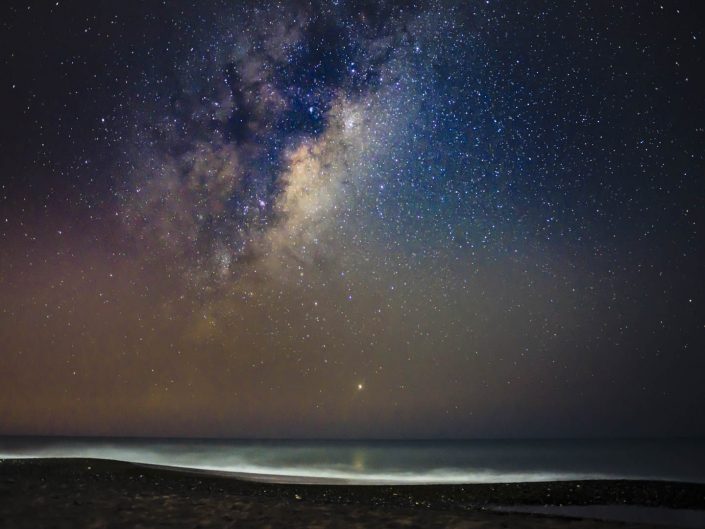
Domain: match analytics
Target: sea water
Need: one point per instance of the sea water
(394, 462)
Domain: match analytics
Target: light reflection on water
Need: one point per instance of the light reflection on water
(394, 461)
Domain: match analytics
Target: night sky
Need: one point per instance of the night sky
(352, 219)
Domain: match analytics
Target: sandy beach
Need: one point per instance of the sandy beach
(60, 493)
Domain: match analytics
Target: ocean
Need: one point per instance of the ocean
(393, 462)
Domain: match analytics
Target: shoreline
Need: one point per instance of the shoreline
(73, 492)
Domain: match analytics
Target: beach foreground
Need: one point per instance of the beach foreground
(94, 493)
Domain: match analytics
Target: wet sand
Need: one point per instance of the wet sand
(65, 493)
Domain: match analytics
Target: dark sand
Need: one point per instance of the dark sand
(59, 493)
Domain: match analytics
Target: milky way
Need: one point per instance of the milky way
(352, 219)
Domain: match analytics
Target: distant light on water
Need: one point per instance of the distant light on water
(392, 462)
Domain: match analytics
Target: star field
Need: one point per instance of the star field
(352, 219)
